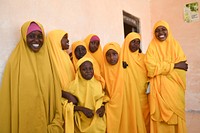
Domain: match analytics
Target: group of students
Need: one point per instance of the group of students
(114, 89)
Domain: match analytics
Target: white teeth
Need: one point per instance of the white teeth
(35, 45)
(161, 36)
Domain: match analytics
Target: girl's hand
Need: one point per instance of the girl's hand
(88, 112)
(100, 112)
(181, 65)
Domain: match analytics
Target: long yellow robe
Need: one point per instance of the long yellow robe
(135, 112)
(65, 72)
(167, 85)
(30, 97)
(114, 86)
(98, 55)
(90, 94)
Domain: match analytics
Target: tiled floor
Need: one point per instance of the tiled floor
(193, 121)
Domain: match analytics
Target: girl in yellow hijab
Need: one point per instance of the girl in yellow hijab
(57, 44)
(79, 50)
(30, 94)
(93, 46)
(89, 113)
(166, 65)
(114, 85)
(135, 110)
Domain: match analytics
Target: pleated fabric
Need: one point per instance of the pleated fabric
(114, 88)
(167, 85)
(30, 94)
(135, 112)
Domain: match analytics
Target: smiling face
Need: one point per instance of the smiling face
(161, 33)
(112, 57)
(65, 42)
(80, 51)
(86, 70)
(35, 40)
(134, 45)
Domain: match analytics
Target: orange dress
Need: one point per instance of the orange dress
(135, 111)
(167, 85)
(114, 86)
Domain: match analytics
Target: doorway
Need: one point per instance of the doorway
(131, 23)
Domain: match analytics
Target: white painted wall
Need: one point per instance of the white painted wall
(78, 17)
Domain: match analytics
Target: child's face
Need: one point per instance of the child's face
(80, 51)
(93, 46)
(86, 70)
(65, 42)
(112, 57)
(161, 33)
(134, 45)
(35, 40)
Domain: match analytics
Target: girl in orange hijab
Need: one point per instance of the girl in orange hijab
(166, 65)
(135, 112)
(114, 85)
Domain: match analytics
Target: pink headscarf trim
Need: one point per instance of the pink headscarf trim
(95, 38)
(33, 27)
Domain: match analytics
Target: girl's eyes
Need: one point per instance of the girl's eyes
(32, 36)
(161, 30)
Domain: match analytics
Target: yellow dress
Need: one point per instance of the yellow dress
(30, 93)
(90, 94)
(64, 69)
(135, 112)
(114, 88)
(167, 85)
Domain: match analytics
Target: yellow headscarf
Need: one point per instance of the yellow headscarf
(97, 73)
(74, 45)
(90, 94)
(59, 58)
(114, 86)
(135, 80)
(29, 93)
(167, 84)
(98, 55)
